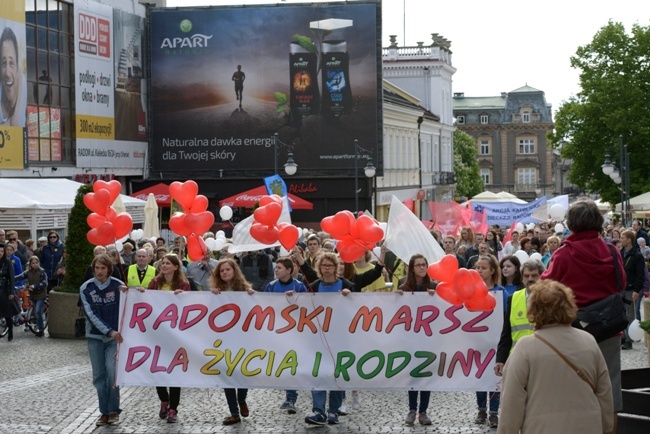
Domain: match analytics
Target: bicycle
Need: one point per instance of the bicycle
(27, 316)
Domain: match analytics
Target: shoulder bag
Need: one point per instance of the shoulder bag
(604, 318)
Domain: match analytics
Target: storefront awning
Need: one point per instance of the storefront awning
(249, 198)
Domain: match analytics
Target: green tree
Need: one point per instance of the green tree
(613, 102)
(79, 252)
(468, 174)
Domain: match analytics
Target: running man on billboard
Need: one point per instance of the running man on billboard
(238, 77)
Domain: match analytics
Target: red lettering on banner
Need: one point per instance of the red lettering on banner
(132, 364)
(482, 366)
(141, 311)
(187, 310)
(180, 358)
(169, 314)
(306, 319)
(424, 322)
(470, 326)
(402, 316)
(455, 322)
(286, 315)
(154, 363)
(261, 315)
(226, 307)
(465, 363)
(367, 317)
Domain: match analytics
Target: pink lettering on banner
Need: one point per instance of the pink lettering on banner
(201, 311)
(169, 314)
(141, 311)
(131, 362)
(455, 322)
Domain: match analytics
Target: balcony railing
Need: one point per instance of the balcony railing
(444, 178)
(525, 188)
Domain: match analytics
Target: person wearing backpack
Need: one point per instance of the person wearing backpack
(634, 264)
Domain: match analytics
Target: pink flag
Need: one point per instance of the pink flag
(508, 236)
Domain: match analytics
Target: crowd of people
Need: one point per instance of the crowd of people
(540, 300)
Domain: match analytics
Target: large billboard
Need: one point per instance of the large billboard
(13, 90)
(225, 81)
(109, 81)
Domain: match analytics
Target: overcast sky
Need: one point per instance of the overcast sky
(503, 45)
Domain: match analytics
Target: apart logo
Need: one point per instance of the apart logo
(186, 26)
(194, 41)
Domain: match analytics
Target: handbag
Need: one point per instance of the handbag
(80, 325)
(606, 317)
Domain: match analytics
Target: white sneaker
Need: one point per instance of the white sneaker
(343, 410)
(356, 403)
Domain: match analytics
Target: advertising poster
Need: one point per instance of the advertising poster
(13, 90)
(43, 127)
(225, 80)
(364, 341)
(109, 103)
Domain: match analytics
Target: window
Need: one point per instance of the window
(484, 148)
(50, 93)
(525, 116)
(460, 120)
(485, 176)
(484, 119)
(527, 175)
(526, 146)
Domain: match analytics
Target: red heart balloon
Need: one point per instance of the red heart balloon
(102, 235)
(464, 284)
(444, 270)
(199, 223)
(445, 290)
(349, 250)
(479, 284)
(184, 193)
(341, 222)
(98, 202)
(94, 220)
(481, 304)
(282, 225)
(328, 225)
(123, 223)
(268, 214)
(274, 198)
(177, 224)
(110, 213)
(263, 233)
(113, 187)
(200, 204)
(288, 236)
(196, 248)
(369, 230)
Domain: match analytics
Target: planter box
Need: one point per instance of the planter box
(63, 312)
(635, 417)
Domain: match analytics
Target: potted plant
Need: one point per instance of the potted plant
(78, 254)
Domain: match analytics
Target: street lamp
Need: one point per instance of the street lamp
(369, 171)
(621, 177)
(290, 167)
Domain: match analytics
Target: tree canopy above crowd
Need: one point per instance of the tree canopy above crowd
(614, 101)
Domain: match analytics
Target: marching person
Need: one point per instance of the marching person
(7, 291)
(140, 273)
(37, 286)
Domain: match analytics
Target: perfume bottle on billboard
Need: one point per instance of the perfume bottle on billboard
(304, 95)
(337, 95)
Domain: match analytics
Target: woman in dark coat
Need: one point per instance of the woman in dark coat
(7, 291)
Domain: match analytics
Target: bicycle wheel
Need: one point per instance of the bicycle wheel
(33, 319)
(3, 327)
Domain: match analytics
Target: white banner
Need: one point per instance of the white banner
(309, 341)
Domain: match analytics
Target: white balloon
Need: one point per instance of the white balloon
(559, 228)
(219, 243)
(211, 243)
(305, 231)
(557, 211)
(530, 226)
(535, 256)
(519, 227)
(134, 235)
(522, 256)
(225, 213)
(140, 233)
(221, 234)
(634, 331)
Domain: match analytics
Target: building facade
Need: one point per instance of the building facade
(510, 132)
(418, 124)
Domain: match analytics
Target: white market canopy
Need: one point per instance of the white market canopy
(35, 204)
(502, 196)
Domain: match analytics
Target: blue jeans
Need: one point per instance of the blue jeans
(292, 395)
(481, 401)
(38, 305)
(318, 400)
(102, 359)
(233, 398)
(424, 400)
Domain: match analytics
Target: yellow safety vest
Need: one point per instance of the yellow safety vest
(133, 279)
(519, 324)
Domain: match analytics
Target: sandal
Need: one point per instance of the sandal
(231, 420)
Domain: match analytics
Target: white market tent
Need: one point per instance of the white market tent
(502, 196)
(509, 197)
(41, 204)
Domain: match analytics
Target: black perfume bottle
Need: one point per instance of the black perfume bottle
(337, 94)
(304, 96)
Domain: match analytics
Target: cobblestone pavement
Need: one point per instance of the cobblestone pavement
(45, 387)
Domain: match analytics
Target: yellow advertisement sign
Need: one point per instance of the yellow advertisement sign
(95, 127)
(11, 147)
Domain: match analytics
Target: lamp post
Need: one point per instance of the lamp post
(621, 177)
(369, 171)
(290, 167)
